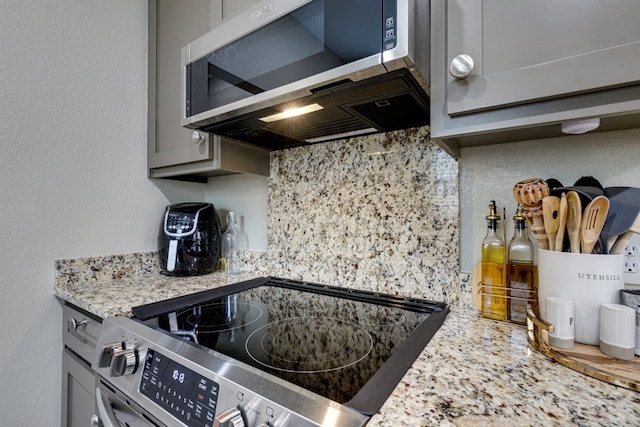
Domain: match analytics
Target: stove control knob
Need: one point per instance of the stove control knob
(109, 352)
(283, 420)
(125, 363)
(229, 418)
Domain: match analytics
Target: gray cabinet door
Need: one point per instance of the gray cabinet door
(173, 25)
(527, 50)
(79, 335)
(232, 8)
(78, 391)
(537, 64)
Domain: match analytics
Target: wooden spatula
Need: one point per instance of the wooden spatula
(551, 218)
(574, 218)
(593, 218)
(562, 216)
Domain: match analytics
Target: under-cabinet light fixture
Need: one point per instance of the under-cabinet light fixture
(342, 135)
(292, 112)
(578, 127)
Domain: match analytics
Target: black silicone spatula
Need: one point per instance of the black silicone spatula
(623, 211)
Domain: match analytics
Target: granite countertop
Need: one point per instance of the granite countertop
(118, 296)
(474, 372)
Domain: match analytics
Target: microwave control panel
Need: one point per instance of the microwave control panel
(389, 30)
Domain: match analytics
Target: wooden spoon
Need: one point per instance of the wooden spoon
(551, 218)
(574, 217)
(593, 218)
(562, 214)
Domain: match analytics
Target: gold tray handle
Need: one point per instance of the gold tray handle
(538, 330)
(585, 359)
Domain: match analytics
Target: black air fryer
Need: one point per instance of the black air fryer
(189, 239)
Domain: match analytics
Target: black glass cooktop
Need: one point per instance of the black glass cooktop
(332, 341)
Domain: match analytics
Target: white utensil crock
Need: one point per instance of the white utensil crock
(589, 280)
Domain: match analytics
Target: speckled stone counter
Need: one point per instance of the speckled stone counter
(111, 286)
(478, 372)
(474, 372)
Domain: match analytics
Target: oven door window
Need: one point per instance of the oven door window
(317, 37)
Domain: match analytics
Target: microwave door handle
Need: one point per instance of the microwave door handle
(105, 411)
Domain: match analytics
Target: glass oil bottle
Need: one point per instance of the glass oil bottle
(520, 273)
(493, 302)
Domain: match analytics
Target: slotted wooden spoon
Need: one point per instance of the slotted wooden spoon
(593, 218)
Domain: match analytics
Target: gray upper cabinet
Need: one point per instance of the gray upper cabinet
(172, 151)
(505, 70)
(231, 8)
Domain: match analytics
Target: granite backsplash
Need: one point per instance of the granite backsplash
(376, 212)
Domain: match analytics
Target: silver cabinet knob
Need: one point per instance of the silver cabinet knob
(73, 324)
(198, 137)
(461, 66)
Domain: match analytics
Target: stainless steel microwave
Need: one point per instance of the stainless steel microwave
(294, 72)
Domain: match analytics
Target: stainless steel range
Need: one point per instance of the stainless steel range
(265, 352)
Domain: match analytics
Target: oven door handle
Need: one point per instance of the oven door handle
(105, 411)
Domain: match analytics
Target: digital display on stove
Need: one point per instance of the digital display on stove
(188, 396)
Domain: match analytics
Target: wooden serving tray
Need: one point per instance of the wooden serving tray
(587, 359)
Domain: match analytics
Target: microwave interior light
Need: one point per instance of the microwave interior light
(292, 112)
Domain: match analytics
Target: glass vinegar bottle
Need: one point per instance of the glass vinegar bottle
(230, 245)
(520, 287)
(493, 305)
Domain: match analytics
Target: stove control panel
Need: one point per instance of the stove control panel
(176, 383)
(186, 395)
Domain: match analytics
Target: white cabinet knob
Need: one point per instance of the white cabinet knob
(461, 66)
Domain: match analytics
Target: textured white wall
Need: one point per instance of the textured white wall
(247, 196)
(489, 173)
(73, 90)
